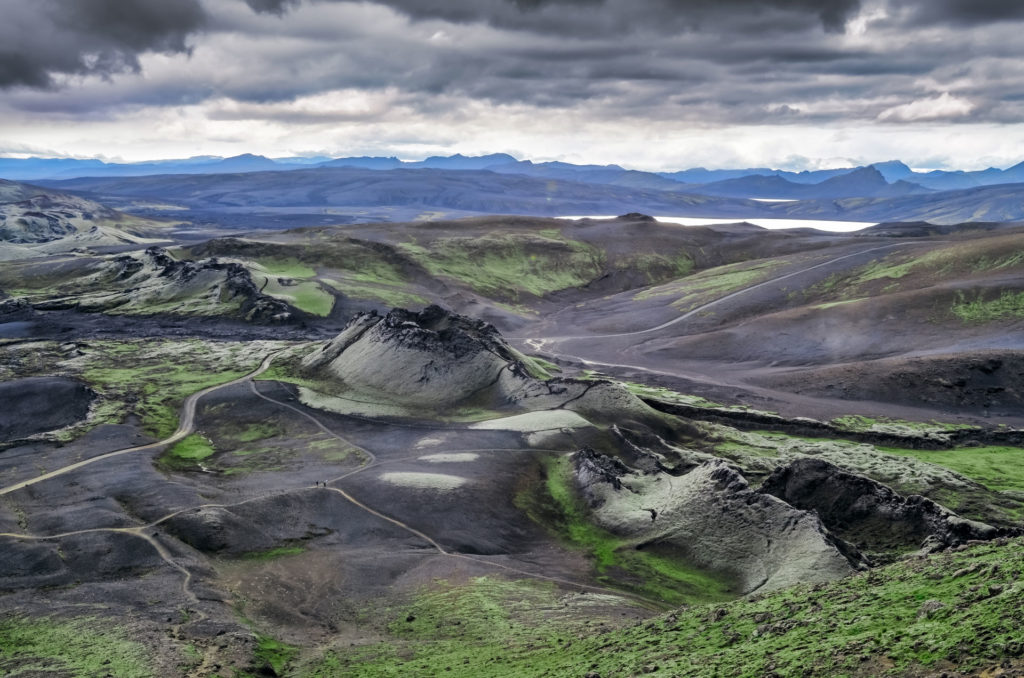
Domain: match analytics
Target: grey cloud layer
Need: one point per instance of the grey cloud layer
(716, 61)
(40, 38)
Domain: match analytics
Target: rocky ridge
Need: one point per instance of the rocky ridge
(869, 513)
(146, 283)
(713, 516)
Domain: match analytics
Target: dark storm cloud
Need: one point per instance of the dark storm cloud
(581, 17)
(725, 61)
(278, 7)
(43, 37)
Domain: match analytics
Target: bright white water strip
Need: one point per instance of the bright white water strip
(774, 199)
(771, 224)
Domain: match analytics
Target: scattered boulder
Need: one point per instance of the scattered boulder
(929, 608)
(868, 513)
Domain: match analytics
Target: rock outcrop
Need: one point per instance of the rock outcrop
(156, 282)
(432, 359)
(868, 513)
(435, 360)
(713, 517)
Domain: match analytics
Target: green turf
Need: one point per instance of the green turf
(75, 648)
(187, 452)
(274, 653)
(306, 296)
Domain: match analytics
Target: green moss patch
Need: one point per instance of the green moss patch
(288, 268)
(389, 295)
(1007, 306)
(83, 647)
(997, 468)
(272, 554)
(709, 284)
(480, 628)
(161, 375)
(860, 424)
(505, 266)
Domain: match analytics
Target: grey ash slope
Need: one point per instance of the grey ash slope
(38, 222)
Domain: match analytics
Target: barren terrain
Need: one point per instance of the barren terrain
(584, 442)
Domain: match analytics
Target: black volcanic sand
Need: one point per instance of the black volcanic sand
(338, 562)
(39, 404)
(767, 349)
(24, 460)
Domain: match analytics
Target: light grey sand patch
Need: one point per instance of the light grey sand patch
(350, 406)
(423, 481)
(450, 457)
(545, 420)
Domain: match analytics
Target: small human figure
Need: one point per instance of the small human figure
(654, 514)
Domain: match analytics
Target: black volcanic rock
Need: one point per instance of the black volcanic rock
(868, 513)
(593, 468)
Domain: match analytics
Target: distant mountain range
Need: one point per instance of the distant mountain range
(208, 186)
(759, 182)
(350, 190)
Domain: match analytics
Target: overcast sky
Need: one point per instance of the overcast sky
(648, 84)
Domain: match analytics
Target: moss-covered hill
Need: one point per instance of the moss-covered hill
(957, 613)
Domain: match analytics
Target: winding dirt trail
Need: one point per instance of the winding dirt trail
(185, 427)
(139, 531)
